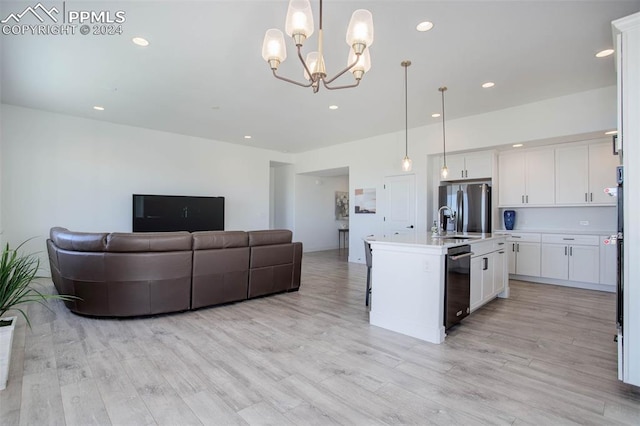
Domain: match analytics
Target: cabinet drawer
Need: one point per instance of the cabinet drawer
(523, 237)
(481, 248)
(583, 240)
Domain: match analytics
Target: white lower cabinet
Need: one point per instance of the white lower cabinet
(524, 254)
(571, 257)
(488, 272)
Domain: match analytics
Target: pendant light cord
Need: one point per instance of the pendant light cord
(444, 147)
(406, 115)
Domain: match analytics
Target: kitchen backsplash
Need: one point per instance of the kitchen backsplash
(584, 218)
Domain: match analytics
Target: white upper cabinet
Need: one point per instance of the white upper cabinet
(602, 173)
(475, 165)
(572, 168)
(526, 178)
(583, 172)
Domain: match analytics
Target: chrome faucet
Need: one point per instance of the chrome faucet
(440, 210)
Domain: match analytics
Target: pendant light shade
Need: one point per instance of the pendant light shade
(406, 161)
(444, 172)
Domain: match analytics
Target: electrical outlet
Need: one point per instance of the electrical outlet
(584, 222)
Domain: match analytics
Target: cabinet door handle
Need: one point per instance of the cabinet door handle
(568, 239)
(585, 197)
(501, 252)
(527, 199)
(523, 199)
(518, 247)
(570, 251)
(565, 250)
(462, 173)
(500, 244)
(466, 173)
(591, 197)
(486, 263)
(513, 247)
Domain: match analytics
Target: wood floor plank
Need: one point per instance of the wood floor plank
(83, 405)
(42, 399)
(121, 399)
(544, 356)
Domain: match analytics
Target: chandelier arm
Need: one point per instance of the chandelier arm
(304, 64)
(342, 72)
(341, 87)
(288, 80)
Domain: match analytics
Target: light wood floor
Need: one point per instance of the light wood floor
(545, 356)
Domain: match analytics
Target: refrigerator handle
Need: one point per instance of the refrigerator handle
(460, 211)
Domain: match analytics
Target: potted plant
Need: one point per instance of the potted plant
(17, 272)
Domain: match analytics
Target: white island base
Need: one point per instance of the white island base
(408, 284)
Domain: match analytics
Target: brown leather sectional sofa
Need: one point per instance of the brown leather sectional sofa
(134, 274)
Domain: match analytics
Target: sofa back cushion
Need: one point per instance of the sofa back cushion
(204, 240)
(269, 237)
(78, 241)
(148, 241)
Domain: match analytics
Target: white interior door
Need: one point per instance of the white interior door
(400, 208)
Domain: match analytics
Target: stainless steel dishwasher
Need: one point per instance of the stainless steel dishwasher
(457, 284)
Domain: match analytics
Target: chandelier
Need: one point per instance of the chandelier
(299, 26)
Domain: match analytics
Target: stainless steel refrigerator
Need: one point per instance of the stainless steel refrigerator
(470, 204)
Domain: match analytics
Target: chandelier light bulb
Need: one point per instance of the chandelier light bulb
(360, 30)
(299, 20)
(444, 172)
(274, 50)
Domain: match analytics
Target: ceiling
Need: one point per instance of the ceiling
(203, 75)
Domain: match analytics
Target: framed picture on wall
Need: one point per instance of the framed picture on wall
(365, 200)
(342, 205)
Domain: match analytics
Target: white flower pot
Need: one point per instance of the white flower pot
(6, 340)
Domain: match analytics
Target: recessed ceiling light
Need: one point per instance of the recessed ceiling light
(333, 106)
(517, 145)
(140, 41)
(424, 26)
(98, 108)
(604, 53)
(488, 84)
(612, 132)
(436, 115)
(247, 137)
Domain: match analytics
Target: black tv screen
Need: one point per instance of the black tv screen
(162, 213)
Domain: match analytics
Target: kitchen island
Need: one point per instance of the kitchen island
(408, 280)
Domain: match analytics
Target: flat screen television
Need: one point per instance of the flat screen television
(163, 213)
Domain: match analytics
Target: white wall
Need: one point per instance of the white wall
(316, 224)
(370, 160)
(283, 183)
(80, 174)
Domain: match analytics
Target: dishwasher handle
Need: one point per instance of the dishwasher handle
(460, 256)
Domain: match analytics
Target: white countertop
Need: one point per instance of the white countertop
(426, 240)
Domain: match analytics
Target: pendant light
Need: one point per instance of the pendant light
(444, 172)
(406, 161)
